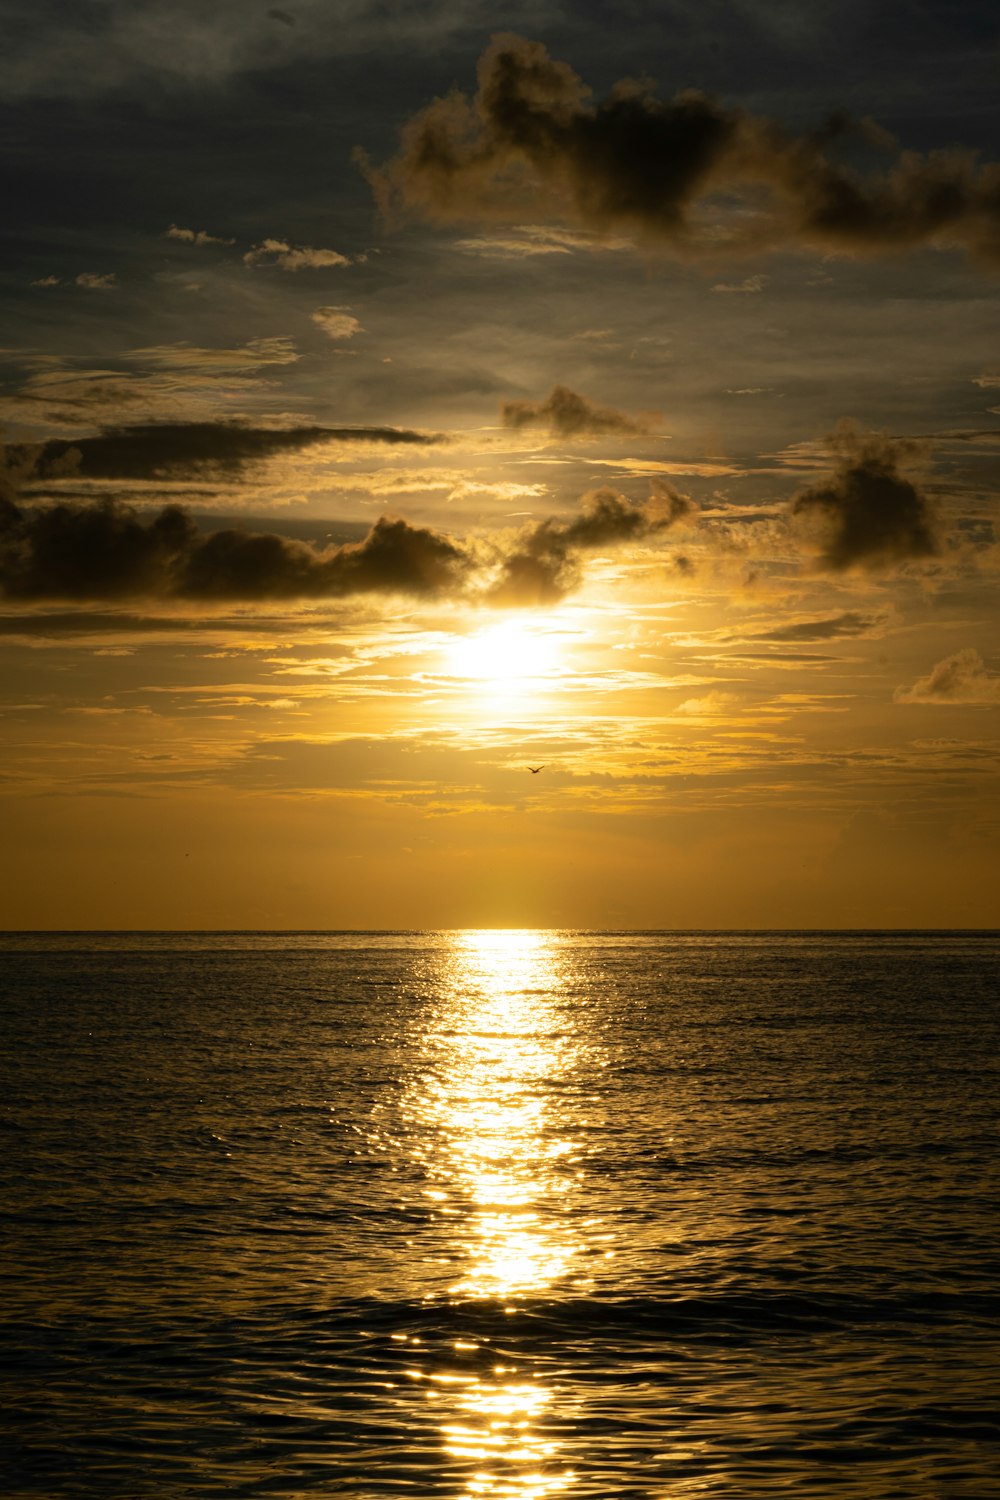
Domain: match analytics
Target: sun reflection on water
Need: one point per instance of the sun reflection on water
(508, 1049)
(503, 1160)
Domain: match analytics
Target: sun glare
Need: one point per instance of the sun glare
(511, 656)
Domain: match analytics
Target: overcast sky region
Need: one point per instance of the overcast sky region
(394, 397)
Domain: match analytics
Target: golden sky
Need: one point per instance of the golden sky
(389, 408)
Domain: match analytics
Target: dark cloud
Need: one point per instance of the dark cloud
(868, 512)
(531, 139)
(850, 623)
(109, 551)
(567, 414)
(540, 565)
(163, 449)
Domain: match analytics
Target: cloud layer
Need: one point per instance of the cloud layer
(531, 138)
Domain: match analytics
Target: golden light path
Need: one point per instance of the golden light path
(505, 1160)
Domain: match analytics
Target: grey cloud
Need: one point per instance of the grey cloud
(849, 623)
(541, 566)
(567, 414)
(868, 512)
(531, 138)
(162, 449)
(962, 678)
(749, 284)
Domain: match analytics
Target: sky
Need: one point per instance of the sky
(396, 397)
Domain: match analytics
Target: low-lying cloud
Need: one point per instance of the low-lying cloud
(109, 551)
(531, 141)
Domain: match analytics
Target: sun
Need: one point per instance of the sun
(514, 656)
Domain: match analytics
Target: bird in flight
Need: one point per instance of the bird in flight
(535, 769)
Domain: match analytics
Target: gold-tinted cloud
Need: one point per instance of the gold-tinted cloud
(962, 678)
(294, 257)
(194, 236)
(336, 322)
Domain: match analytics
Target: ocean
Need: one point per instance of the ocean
(499, 1214)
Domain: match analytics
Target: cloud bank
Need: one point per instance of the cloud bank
(531, 139)
(108, 551)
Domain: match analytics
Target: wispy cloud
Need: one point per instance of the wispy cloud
(278, 350)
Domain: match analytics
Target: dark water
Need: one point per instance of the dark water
(501, 1215)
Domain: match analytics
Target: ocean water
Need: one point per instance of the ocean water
(499, 1214)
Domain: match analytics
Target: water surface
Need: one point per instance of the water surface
(499, 1214)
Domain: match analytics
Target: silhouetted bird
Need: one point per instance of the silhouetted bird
(535, 769)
